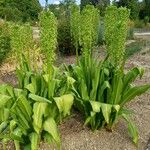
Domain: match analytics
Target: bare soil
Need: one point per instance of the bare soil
(77, 137)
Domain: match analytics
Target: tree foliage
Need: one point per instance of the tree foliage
(101, 4)
(16, 10)
(144, 9)
(133, 5)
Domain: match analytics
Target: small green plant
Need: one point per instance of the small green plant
(101, 93)
(46, 96)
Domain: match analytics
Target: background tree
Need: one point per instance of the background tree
(62, 11)
(46, 4)
(102, 4)
(55, 8)
(133, 5)
(16, 10)
(144, 9)
(66, 5)
(147, 7)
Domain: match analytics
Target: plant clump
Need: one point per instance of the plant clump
(42, 99)
(102, 88)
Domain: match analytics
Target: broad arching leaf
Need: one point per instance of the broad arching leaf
(95, 106)
(132, 129)
(3, 100)
(59, 103)
(39, 98)
(38, 113)
(133, 92)
(31, 88)
(34, 138)
(25, 107)
(131, 76)
(67, 103)
(51, 127)
(64, 103)
(106, 110)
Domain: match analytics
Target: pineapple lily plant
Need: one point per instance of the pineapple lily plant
(102, 88)
(31, 112)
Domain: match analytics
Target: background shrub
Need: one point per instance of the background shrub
(23, 11)
(65, 44)
(130, 32)
(62, 12)
(139, 24)
(146, 20)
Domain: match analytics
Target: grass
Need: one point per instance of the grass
(133, 48)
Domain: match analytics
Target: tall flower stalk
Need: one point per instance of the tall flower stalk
(21, 42)
(115, 33)
(84, 29)
(48, 37)
(89, 29)
(75, 27)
